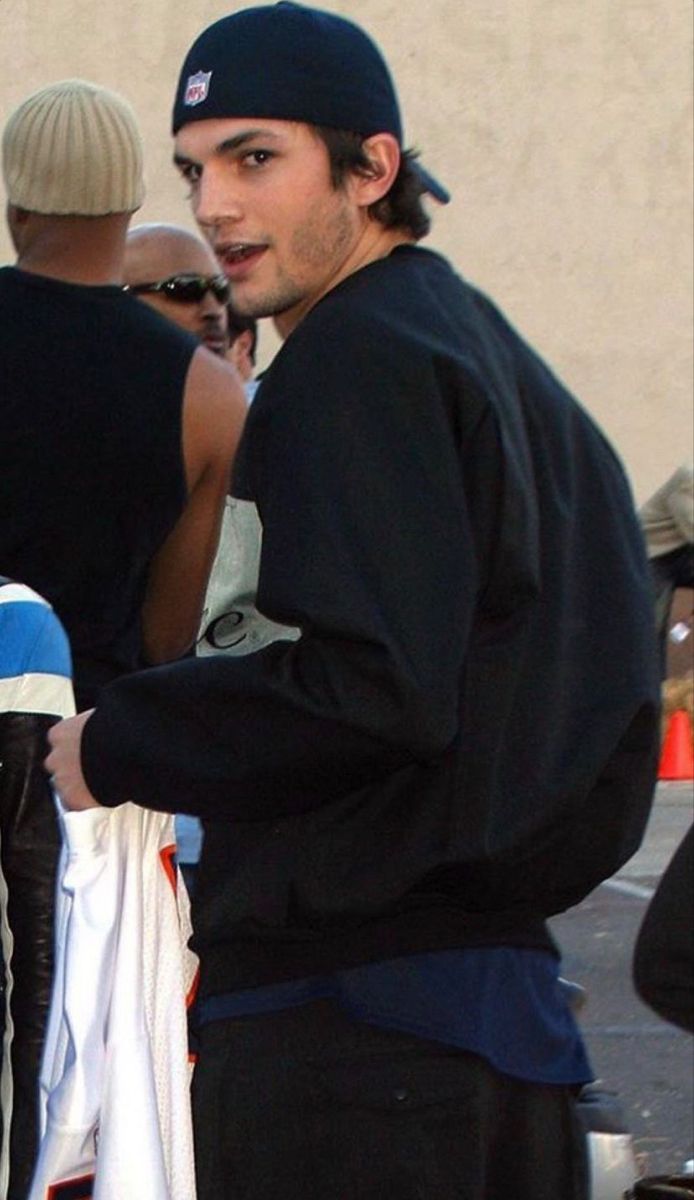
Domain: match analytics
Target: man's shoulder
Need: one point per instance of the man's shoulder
(32, 638)
(369, 349)
(9, 281)
(409, 281)
(153, 326)
(395, 306)
(105, 308)
(681, 481)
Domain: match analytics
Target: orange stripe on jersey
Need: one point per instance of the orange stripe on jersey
(72, 1189)
(167, 855)
(193, 989)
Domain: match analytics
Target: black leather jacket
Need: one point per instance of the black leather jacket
(29, 847)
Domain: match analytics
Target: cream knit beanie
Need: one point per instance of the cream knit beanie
(73, 148)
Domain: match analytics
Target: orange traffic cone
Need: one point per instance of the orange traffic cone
(677, 756)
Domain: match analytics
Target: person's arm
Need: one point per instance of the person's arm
(214, 410)
(664, 952)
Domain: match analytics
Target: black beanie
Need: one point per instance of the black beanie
(291, 63)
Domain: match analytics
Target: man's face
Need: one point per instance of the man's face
(154, 255)
(261, 192)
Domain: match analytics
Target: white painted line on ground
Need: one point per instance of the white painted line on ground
(641, 892)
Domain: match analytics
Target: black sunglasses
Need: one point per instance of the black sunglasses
(185, 289)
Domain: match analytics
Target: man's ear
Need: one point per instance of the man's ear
(16, 221)
(239, 353)
(17, 216)
(383, 153)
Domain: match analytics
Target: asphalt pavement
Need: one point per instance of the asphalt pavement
(649, 1063)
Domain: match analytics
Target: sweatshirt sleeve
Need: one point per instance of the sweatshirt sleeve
(367, 549)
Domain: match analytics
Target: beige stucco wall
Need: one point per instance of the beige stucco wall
(563, 127)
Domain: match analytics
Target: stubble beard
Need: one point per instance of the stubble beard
(318, 249)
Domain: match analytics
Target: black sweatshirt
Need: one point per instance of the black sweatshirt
(464, 738)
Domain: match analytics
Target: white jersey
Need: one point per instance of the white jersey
(115, 1080)
(231, 623)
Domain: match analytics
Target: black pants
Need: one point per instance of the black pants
(308, 1105)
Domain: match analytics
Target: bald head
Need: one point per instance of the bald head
(157, 252)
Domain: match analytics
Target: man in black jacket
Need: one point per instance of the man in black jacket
(463, 739)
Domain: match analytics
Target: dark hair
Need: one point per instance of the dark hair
(402, 206)
(239, 325)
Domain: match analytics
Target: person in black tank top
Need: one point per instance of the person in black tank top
(118, 433)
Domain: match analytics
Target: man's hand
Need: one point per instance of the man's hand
(64, 764)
